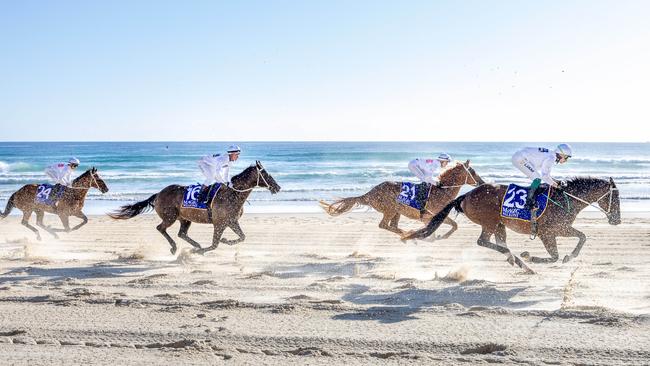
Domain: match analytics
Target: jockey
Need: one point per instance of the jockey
(61, 173)
(427, 169)
(216, 169)
(536, 163)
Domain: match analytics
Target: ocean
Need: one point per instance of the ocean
(307, 171)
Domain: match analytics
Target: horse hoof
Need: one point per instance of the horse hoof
(529, 271)
(525, 255)
(566, 259)
(173, 250)
(511, 259)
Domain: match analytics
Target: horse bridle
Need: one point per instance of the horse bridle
(90, 185)
(259, 174)
(469, 174)
(610, 192)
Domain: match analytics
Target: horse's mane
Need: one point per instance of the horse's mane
(448, 169)
(583, 183)
(82, 175)
(244, 172)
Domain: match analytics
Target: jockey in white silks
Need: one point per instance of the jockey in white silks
(536, 163)
(61, 173)
(216, 169)
(427, 170)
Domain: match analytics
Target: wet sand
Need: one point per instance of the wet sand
(307, 288)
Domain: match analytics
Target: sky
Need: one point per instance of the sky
(324, 70)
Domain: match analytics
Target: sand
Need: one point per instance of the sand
(310, 289)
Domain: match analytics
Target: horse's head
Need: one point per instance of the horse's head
(91, 179)
(460, 174)
(611, 204)
(266, 180)
(601, 191)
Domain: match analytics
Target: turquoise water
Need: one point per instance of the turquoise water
(307, 171)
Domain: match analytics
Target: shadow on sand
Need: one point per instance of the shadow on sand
(402, 305)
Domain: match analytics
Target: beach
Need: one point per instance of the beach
(311, 289)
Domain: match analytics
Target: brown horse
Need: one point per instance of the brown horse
(70, 204)
(482, 205)
(383, 198)
(226, 207)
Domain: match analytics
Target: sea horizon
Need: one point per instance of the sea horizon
(307, 170)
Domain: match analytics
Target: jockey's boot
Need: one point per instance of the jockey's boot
(531, 204)
(55, 195)
(203, 194)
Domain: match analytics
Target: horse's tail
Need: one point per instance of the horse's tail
(129, 211)
(10, 205)
(436, 221)
(342, 206)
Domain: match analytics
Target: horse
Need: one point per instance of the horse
(482, 206)
(383, 198)
(226, 208)
(70, 204)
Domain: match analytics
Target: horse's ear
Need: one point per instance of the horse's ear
(611, 182)
(467, 163)
(93, 169)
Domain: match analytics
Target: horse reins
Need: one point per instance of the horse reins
(259, 174)
(469, 174)
(90, 185)
(609, 207)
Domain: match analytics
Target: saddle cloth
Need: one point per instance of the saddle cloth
(512, 205)
(191, 196)
(414, 195)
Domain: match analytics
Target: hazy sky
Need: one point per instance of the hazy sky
(325, 70)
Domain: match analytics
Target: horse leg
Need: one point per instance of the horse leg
(500, 234)
(454, 227)
(65, 220)
(39, 222)
(83, 217)
(25, 222)
(385, 224)
(162, 228)
(182, 233)
(582, 238)
(484, 241)
(394, 220)
(216, 237)
(551, 247)
(234, 226)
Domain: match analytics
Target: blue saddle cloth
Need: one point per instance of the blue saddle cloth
(45, 194)
(414, 195)
(191, 196)
(514, 200)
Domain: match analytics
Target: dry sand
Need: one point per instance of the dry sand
(309, 289)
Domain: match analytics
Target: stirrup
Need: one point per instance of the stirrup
(533, 223)
(533, 230)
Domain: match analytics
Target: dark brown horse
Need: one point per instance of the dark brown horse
(482, 205)
(383, 198)
(227, 208)
(70, 204)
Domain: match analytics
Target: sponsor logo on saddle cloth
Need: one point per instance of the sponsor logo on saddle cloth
(514, 201)
(414, 195)
(192, 193)
(44, 195)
